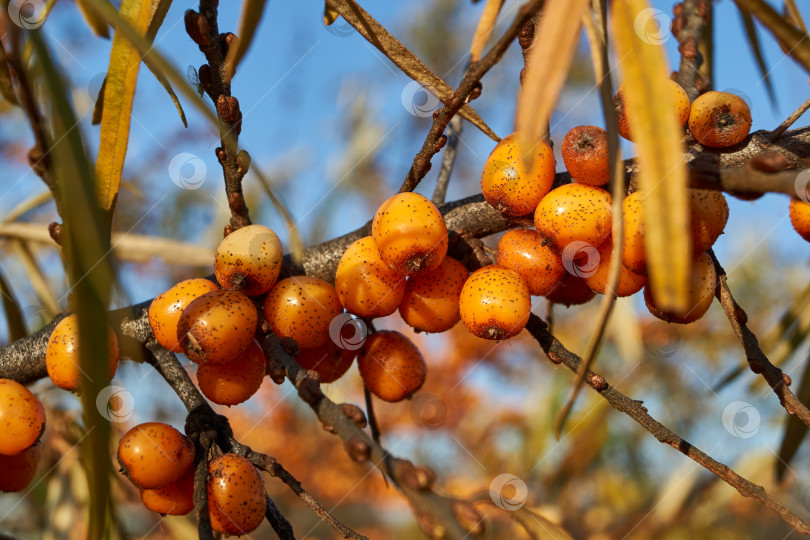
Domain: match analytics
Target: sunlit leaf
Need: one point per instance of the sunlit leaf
(793, 15)
(756, 50)
(249, 19)
(485, 27)
(14, 317)
(96, 23)
(538, 526)
(662, 172)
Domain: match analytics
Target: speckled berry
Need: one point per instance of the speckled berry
(410, 233)
(719, 119)
(800, 217)
(585, 154)
(329, 360)
(430, 303)
(249, 259)
(634, 254)
(62, 355)
(165, 309)
(574, 213)
(217, 326)
(391, 366)
(524, 251)
(22, 417)
(629, 283)
(702, 284)
(236, 381)
(302, 308)
(366, 285)
(708, 214)
(507, 182)
(495, 303)
(154, 455)
(17, 470)
(236, 496)
(678, 97)
(571, 291)
(175, 499)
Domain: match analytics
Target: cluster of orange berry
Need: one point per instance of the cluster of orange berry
(22, 422)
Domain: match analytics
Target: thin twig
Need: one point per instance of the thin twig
(277, 520)
(688, 38)
(448, 160)
(775, 134)
(372, 418)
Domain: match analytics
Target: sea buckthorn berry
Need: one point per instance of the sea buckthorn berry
(236, 381)
(430, 303)
(217, 326)
(236, 496)
(391, 366)
(62, 355)
(366, 285)
(709, 214)
(634, 255)
(574, 213)
(585, 154)
(571, 291)
(702, 283)
(719, 119)
(22, 417)
(678, 97)
(410, 233)
(302, 308)
(154, 455)
(629, 282)
(495, 303)
(329, 360)
(800, 217)
(507, 182)
(524, 251)
(249, 259)
(175, 499)
(17, 470)
(165, 310)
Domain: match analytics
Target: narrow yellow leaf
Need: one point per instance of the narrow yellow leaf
(96, 23)
(249, 19)
(119, 93)
(547, 66)
(329, 16)
(662, 170)
(484, 30)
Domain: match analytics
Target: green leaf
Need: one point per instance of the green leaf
(248, 21)
(756, 50)
(14, 317)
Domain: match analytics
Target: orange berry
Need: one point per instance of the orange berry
(236, 496)
(410, 233)
(236, 381)
(571, 291)
(629, 282)
(175, 499)
(634, 255)
(17, 470)
(22, 417)
(709, 214)
(154, 455)
(249, 259)
(702, 283)
(391, 366)
(302, 308)
(217, 326)
(430, 303)
(508, 184)
(719, 119)
(800, 217)
(585, 154)
(678, 96)
(329, 360)
(495, 303)
(574, 213)
(366, 285)
(62, 355)
(165, 310)
(524, 251)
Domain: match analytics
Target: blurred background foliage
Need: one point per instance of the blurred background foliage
(326, 120)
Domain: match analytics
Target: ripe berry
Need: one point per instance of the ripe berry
(495, 303)
(249, 259)
(391, 366)
(302, 308)
(22, 417)
(629, 282)
(719, 119)
(524, 251)
(702, 283)
(236, 381)
(507, 182)
(574, 213)
(585, 154)
(165, 310)
(175, 499)
(217, 326)
(678, 96)
(410, 233)
(236, 497)
(62, 355)
(709, 214)
(17, 470)
(634, 255)
(154, 455)
(800, 217)
(571, 291)
(430, 303)
(366, 285)
(329, 360)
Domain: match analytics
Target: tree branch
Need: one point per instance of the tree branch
(689, 34)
